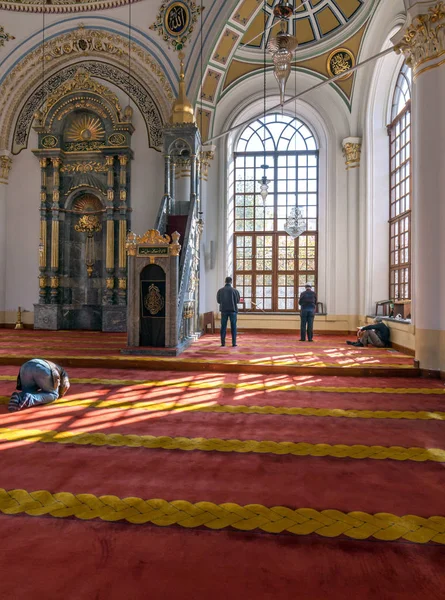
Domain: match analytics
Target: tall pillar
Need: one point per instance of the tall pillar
(109, 256)
(122, 258)
(422, 42)
(5, 166)
(55, 232)
(43, 244)
(351, 151)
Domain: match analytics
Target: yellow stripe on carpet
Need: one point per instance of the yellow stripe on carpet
(316, 362)
(277, 519)
(357, 451)
(173, 407)
(287, 387)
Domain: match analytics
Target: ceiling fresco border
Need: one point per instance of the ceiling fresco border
(239, 23)
(100, 70)
(61, 6)
(63, 49)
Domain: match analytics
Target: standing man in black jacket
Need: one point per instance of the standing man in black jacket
(228, 299)
(308, 303)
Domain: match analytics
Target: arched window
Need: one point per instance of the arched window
(270, 267)
(400, 190)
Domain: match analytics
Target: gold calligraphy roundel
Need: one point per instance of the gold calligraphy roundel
(340, 61)
(153, 301)
(177, 19)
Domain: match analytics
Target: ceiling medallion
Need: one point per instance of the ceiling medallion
(340, 61)
(175, 22)
(85, 129)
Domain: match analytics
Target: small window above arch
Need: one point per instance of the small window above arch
(402, 92)
(276, 133)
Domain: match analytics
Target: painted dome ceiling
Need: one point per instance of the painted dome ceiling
(312, 21)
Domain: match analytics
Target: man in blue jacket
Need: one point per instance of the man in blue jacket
(228, 299)
(39, 382)
(308, 303)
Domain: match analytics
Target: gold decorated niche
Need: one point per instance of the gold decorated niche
(85, 157)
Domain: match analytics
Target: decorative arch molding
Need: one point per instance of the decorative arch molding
(79, 48)
(62, 6)
(139, 94)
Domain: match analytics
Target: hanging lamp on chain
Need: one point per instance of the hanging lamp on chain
(264, 182)
(282, 47)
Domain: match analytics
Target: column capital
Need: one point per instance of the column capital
(5, 165)
(352, 147)
(422, 39)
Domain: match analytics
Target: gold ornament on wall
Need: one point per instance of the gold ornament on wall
(87, 128)
(89, 224)
(175, 22)
(341, 60)
(117, 139)
(153, 301)
(84, 167)
(5, 37)
(49, 141)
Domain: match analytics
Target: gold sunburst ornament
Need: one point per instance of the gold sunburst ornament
(85, 129)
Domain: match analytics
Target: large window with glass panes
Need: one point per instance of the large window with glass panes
(271, 268)
(400, 190)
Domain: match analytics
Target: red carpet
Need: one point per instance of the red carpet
(76, 559)
(255, 353)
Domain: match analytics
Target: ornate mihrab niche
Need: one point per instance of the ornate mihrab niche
(84, 149)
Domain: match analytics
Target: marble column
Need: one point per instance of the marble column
(422, 41)
(352, 151)
(109, 257)
(5, 166)
(55, 232)
(122, 260)
(43, 243)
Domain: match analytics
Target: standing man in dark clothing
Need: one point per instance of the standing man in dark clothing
(308, 303)
(376, 334)
(228, 299)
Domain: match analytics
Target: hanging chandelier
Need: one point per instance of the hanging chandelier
(282, 48)
(295, 224)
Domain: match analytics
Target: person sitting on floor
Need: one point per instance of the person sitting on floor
(376, 334)
(39, 382)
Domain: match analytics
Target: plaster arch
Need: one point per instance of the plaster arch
(327, 117)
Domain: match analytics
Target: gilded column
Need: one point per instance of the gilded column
(422, 42)
(43, 244)
(109, 255)
(122, 258)
(351, 151)
(55, 231)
